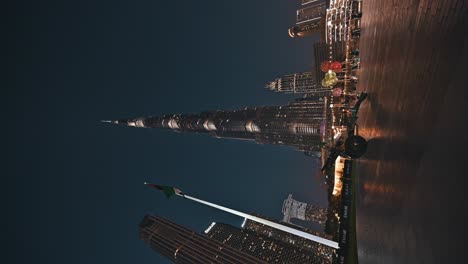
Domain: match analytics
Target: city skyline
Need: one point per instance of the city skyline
(304, 123)
(261, 238)
(90, 63)
(219, 81)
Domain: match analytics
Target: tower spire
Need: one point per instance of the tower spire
(109, 121)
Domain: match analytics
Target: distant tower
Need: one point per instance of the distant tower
(262, 247)
(316, 249)
(303, 211)
(183, 245)
(298, 124)
(305, 82)
(310, 19)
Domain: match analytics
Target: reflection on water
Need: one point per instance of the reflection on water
(410, 185)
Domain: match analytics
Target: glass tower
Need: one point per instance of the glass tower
(183, 245)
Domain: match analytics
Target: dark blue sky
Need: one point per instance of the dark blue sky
(75, 190)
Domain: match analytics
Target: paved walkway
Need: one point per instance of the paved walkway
(410, 199)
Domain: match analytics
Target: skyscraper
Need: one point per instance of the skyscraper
(342, 20)
(303, 211)
(183, 245)
(262, 247)
(305, 82)
(299, 124)
(322, 251)
(310, 19)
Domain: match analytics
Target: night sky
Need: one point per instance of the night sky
(74, 186)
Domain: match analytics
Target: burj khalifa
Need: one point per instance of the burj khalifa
(300, 124)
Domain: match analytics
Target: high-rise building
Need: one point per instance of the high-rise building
(310, 12)
(260, 246)
(303, 211)
(299, 124)
(310, 82)
(305, 82)
(307, 29)
(340, 17)
(183, 245)
(310, 19)
(317, 249)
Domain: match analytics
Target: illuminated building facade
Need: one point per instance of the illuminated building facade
(299, 124)
(339, 170)
(341, 20)
(182, 245)
(310, 19)
(335, 51)
(343, 28)
(260, 246)
(305, 82)
(314, 248)
(306, 29)
(303, 211)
